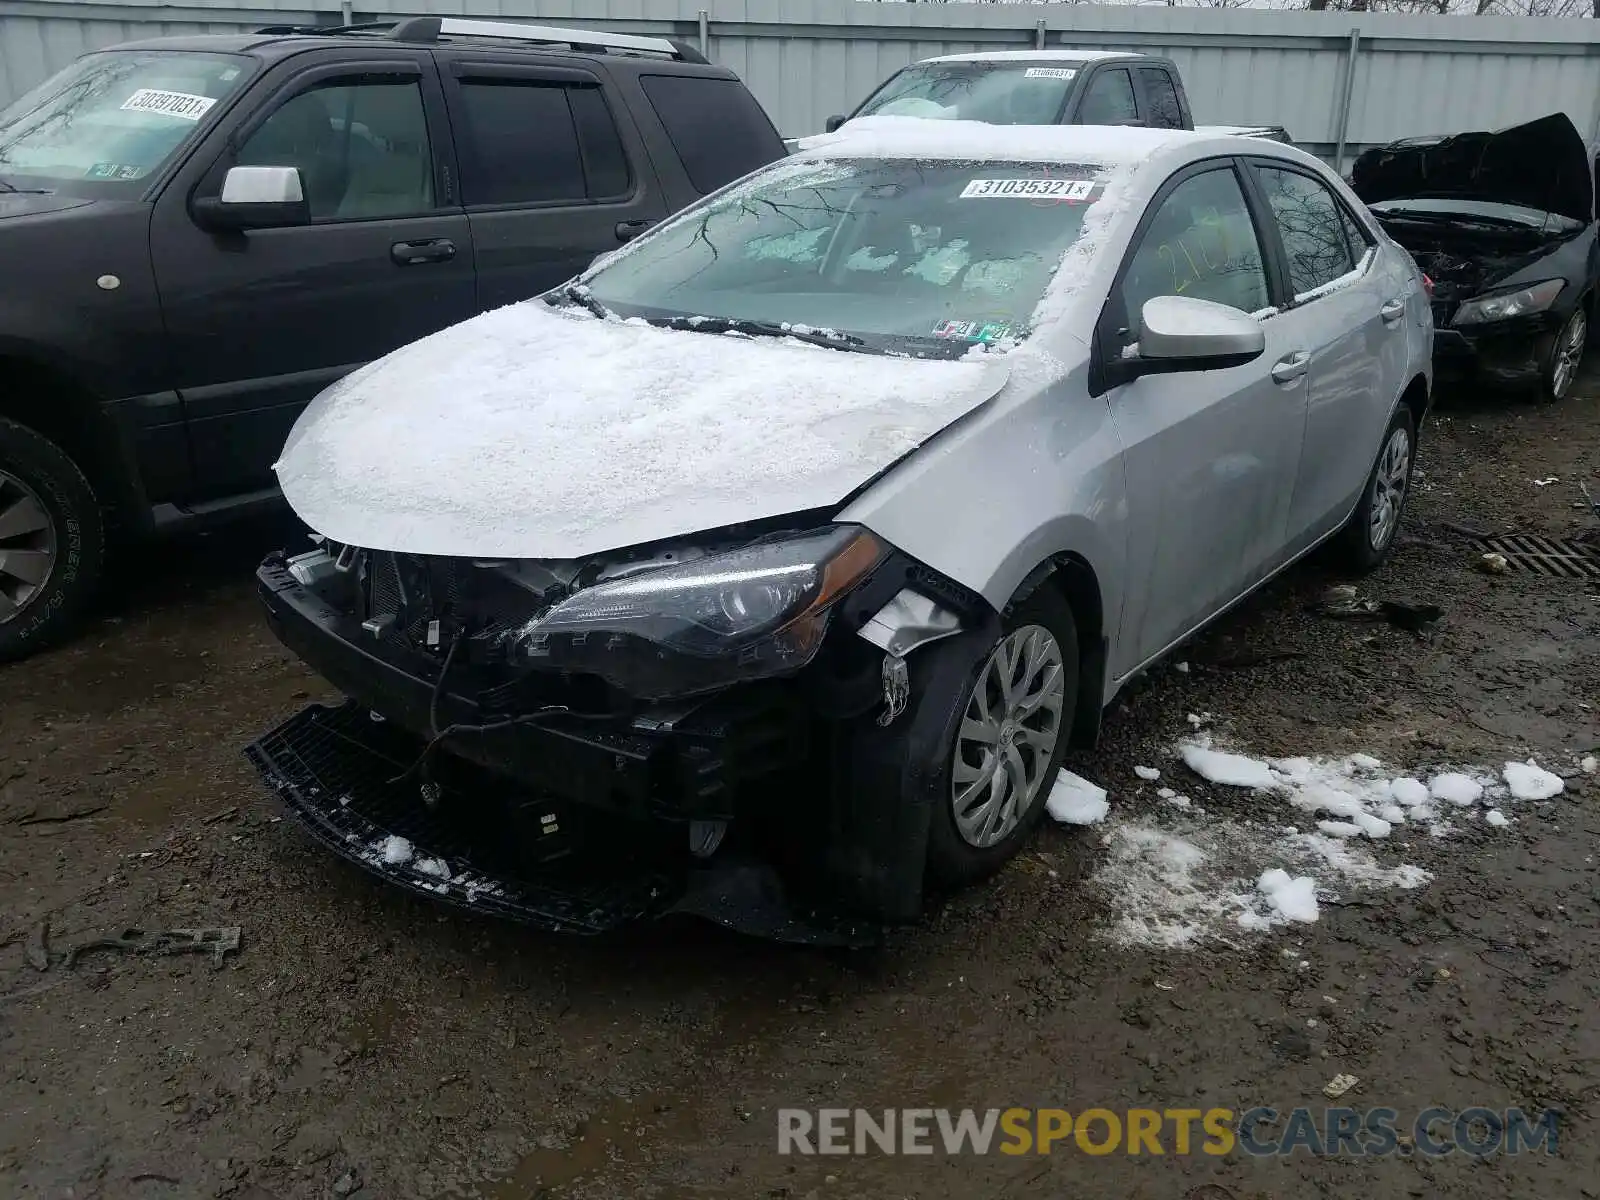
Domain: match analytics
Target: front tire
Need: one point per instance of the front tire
(1369, 535)
(52, 542)
(1561, 355)
(1011, 733)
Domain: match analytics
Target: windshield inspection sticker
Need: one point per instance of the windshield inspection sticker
(972, 331)
(1028, 189)
(1049, 73)
(119, 171)
(183, 105)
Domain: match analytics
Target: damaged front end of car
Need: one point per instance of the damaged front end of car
(1502, 224)
(713, 726)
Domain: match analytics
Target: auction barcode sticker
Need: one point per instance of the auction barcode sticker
(1049, 73)
(170, 104)
(1028, 189)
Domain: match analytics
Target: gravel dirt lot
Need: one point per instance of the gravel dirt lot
(362, 1042)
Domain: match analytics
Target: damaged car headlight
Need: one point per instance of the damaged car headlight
(750, 613)
(1503, 305)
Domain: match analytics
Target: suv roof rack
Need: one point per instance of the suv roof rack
(283, 30)
(431, 29)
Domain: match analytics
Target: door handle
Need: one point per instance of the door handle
(1393, 311)
(1290, 367)
(628, 230)
(428, 250)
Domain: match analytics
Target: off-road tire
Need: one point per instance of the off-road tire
(952, 860)
(53, 611)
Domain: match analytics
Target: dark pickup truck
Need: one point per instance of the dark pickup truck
(199, 234)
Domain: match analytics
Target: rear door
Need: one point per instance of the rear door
(259, 322)
(1348, 318)
(552, 172)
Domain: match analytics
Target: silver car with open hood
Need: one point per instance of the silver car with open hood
(767, 570)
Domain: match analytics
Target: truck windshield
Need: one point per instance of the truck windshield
(109, 121)
(999, 93)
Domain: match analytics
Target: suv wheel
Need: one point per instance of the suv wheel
(1016, 715)
(51, 541)
(1366, 540)
(1562, 355)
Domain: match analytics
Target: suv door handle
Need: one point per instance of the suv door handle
(1393, 311)
(427, 250)
(1290, 367)
(628, 230)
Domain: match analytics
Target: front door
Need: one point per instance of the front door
(1210, 456)
(551, 173)
(259, 322)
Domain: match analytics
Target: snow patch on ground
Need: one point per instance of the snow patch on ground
(1075, 801)
(1178, 876)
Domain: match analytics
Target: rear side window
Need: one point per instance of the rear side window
(1109, 100)
(520, 144)
(1312, 225)
(1359, 238)
(533, 142)
(716, 125)
(1162, 99)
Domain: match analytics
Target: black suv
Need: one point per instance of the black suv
(199, 234)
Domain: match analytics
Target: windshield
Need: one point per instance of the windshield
(920, 257)
(109, 121)
(1010, 93)
(1483, 210)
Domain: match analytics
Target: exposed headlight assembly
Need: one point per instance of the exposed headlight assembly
(750, 613)
(1534, 298)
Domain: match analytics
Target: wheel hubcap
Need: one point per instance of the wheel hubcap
(27, 546)
(1008, 735)
(1389, 487)
(1569, 353)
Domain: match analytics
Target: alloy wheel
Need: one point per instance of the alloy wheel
(27, 545)
(1389, 487)
(1008, 735)
(1568, 354)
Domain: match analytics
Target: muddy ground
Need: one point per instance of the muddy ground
(362, 1042)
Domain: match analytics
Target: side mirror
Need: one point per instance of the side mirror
(255, 198)
(1180, 333)
(834, 122)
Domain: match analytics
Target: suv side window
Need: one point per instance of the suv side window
(1202, 243)
(1161, 97)
(1109, 99)
(719, 130)
(1312, 225)
(521, 143)
(361, 147)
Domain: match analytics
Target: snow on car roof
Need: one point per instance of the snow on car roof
(977, 141)
(1059, 53)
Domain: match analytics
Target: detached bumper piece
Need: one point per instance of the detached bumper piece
(472, 838)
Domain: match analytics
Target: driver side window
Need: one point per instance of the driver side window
(1201, 243)
(361, 148)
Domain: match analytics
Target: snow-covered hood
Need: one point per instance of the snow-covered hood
(537, 433)
(1543, 164)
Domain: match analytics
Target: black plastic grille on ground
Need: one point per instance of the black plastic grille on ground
(336, 771)
(1546, 555)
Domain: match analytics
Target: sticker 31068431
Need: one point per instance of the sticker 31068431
(1028, 189)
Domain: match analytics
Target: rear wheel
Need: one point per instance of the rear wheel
(1366, 540)
(1016, 714)
(1562, 355)
(52, 543)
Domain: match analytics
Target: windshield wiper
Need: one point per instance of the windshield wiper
(576, 293)
(815, 337)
